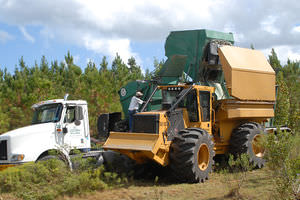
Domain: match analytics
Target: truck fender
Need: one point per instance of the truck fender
(62, 154)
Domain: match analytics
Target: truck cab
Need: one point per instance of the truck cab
(58, 124)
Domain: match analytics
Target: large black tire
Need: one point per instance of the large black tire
(245, 139)
(49, 157)
(54, 157)
(191, 155)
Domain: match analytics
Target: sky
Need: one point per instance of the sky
(91, 29)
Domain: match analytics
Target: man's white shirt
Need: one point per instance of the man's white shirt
(134, 103)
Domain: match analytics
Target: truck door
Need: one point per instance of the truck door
(74, 127)
(205, 110)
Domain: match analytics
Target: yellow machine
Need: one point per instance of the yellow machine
(196, 122)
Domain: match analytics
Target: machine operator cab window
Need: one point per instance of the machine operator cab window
(189, 102)
(205, 105)
(191, 105)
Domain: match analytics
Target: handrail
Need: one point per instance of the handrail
(149, 99)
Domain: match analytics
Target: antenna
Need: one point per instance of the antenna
(66, 97)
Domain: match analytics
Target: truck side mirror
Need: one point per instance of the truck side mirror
(78, 115)
(65, 130)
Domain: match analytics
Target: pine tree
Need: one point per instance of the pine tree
(135, 70)
(291, 72)
(274, 61)
(282, 102)
(103, 64)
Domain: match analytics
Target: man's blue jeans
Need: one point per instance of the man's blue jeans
(131, 113)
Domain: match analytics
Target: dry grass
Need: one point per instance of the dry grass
(8, 197)
(258, 185)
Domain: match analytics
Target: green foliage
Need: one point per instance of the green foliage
(274, 61)
(287, 110)
(283, 149)
(291, 74)
(283, 156)
(236, 174)
(240, 164)
(157, 67)
(282, 103)
(50, 179)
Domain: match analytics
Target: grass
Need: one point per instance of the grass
(258, 185)
(52, 180)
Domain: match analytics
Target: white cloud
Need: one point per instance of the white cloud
(4, 36)
(284, 53)
(287, 52)
(269, 25)
(109, 46)
(76, 59)
(108, 27)
(26, 34)
(90, 60)
(296, 29)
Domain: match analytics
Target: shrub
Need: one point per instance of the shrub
(236, 174)
(52, 178)
(283, 161)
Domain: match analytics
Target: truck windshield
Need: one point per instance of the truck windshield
(47, 113)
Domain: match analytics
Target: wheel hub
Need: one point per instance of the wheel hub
(257, 147)
(203, 157)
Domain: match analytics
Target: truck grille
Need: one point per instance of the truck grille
(146, 123)
(3, 150)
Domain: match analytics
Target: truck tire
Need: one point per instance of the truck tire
(50, 157)
(244, 140)
(191, 155)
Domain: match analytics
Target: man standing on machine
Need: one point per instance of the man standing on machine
(133, 107)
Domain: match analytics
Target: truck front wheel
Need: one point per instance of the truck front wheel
(53, 157)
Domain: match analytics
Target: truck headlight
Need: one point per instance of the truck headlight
(17, 157)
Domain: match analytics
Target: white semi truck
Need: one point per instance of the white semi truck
(59, 124)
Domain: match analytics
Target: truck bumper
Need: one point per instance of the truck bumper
(4, 166)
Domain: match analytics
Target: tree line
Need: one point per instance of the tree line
(99, 86)
(287, 108)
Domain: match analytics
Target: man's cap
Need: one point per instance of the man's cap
(139, 94)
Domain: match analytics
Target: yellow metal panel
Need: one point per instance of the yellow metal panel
(222, 140)
(248, 74)
(131, 141)
(231, 109)
(140, 146)
(249, 113)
